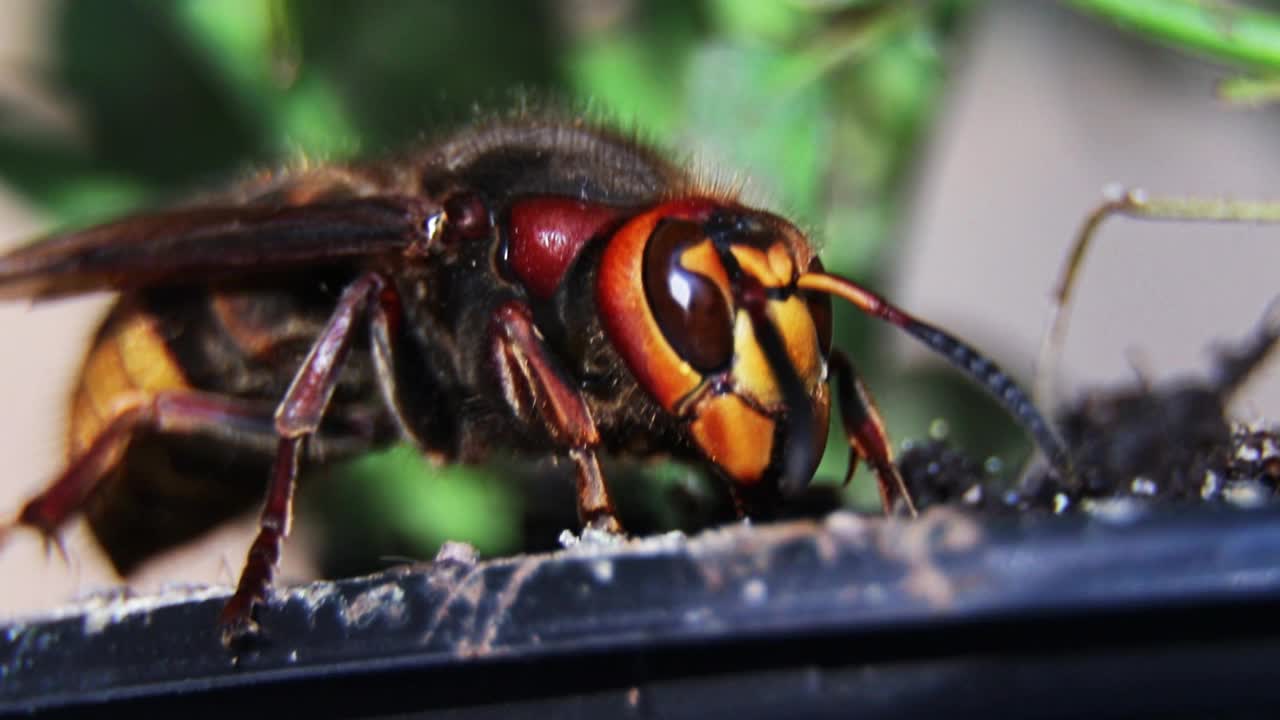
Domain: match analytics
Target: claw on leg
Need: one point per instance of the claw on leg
(53, 541)
(864, 429)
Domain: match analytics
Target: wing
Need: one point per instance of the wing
(199, 244)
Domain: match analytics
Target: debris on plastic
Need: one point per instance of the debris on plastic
(1152, 444)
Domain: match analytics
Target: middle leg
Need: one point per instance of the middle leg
(297, 418)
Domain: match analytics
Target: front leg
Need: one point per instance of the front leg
(864, 429)
(534, 387)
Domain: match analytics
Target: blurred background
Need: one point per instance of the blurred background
(944, 153)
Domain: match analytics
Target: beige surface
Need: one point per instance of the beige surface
(1048, 110)
(1052, 108)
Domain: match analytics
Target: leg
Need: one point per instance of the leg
(865, 431)
(534, 389)
(171, 412)
(296, 418)
(264, 554)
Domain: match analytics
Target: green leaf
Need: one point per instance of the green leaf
(241, 38)
(1251, 91)
(1227, 32)
(619, 78)
(773, 21)
(748, 112)
(400, 493)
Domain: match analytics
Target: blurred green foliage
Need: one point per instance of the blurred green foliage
(1240, 35)
(821, 103)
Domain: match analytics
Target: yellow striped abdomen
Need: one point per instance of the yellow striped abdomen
(128, 363)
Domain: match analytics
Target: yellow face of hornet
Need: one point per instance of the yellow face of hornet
(712, 284)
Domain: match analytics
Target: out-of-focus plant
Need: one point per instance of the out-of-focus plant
(1242, 36)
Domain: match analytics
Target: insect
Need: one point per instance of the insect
(532, 284)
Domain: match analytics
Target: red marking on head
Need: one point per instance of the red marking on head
(547, 233)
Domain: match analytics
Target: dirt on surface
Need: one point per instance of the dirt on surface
(1165, 443)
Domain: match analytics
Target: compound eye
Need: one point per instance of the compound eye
(690, 308)
(820, 310)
